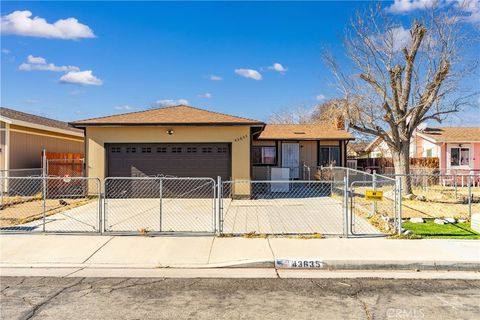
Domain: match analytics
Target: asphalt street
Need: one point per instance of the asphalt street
(164, 298)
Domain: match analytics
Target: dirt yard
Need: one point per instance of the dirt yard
(15, 211)
(432, 202)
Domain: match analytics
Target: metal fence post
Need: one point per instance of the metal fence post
(399, 204)
(99, 190)
(469, 181)
(345, 204)
(219, 208)
(374, 186)
(160, 204)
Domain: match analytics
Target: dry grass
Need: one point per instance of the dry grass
(21, 211)
(254, 235)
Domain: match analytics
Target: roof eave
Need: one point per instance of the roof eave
(306, 139)
(177, 124)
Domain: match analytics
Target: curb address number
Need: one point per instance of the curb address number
(300, 264)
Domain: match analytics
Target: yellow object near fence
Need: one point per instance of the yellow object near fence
(374, 195)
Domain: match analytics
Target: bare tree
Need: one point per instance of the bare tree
(324, 113)
(399, 78)
(297, 115)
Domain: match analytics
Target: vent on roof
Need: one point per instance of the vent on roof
(299, 132)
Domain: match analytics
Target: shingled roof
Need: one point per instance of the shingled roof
(452, 134)
(303, 132)
(34, 119)
(176, 115)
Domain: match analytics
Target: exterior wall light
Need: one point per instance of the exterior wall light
(170, 132)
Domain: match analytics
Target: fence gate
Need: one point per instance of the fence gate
(282, 207)
(159, 205)
(50, 204)
(373, 207)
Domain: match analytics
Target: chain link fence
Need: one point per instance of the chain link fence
(65, 167)
(336, 205)
(160, 205)
(441, 196)
(282, 207)
(50, 204)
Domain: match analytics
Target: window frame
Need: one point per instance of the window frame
(275, 162)
(460, 149)
(319, 153)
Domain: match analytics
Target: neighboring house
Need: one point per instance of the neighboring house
(458, 148)
(190, 142)
(379, 149)
(357, 150)
(24, 136)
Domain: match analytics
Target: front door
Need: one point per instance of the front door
(291, 158)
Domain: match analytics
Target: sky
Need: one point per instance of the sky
(77, 60)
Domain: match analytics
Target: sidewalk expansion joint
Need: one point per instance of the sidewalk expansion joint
(103, 245)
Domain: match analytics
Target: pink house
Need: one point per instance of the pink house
(458, 148)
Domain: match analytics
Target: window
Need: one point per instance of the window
(207, 150)
(191, 150)
(146, 150)
(177, 150)
(429, 153)
(329, 156)
(116, 149)
(222, 150)
(131, 150)
(459, 157)
(161, 149)
(264, 155)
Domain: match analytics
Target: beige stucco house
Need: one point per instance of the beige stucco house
(191, 142)
(24, 136)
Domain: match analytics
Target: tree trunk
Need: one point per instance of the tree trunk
(401, 162)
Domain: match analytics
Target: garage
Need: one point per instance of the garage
(170, 159)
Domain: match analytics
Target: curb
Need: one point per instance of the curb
(333, 265)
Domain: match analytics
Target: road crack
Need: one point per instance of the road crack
(30, 314)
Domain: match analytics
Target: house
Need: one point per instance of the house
(300, 147)
(458, 148)
(24, 136)
(189, 142)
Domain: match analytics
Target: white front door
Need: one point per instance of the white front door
(291, 158)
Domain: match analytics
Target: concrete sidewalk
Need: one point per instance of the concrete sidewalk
(74, 253)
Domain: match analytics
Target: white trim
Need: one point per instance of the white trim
(449, 156)
(40, 126)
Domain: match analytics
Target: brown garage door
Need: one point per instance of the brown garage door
(179, 160)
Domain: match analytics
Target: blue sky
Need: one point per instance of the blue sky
(145, 54)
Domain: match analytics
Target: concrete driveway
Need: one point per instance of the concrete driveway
(323, 215)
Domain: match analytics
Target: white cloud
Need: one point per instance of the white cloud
(40, 64)
(278, 67)
(401, 38)
(206, 95)
(398, 37)
(470, 9)
(171, 102)
(31, 101)
(249, 73)
(5, 51)
(403, 6)
(81, 78)
(215, 78)
(123, 108)
(22, 23)
(320, 97)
